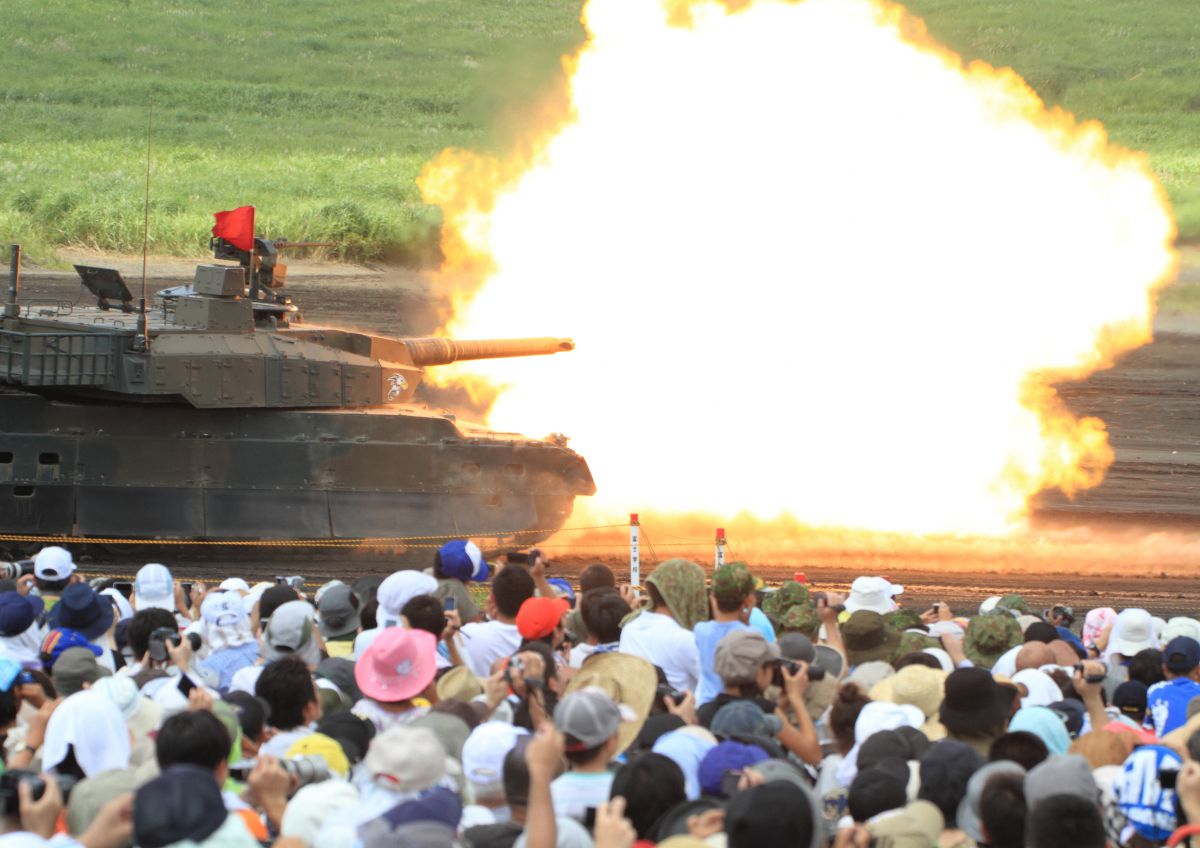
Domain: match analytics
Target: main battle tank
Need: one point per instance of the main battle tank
(217, 415)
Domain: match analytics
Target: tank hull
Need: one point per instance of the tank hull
(172, 472)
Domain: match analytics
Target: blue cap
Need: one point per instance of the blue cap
(727, 755)
(463, 560)
(18, 612)
(1181, 655)
(564, 588)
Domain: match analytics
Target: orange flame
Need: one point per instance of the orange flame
(815, 267)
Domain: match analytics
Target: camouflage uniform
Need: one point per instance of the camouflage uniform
(989, 637)
(732, 583)
(1014, 603)
(911, 642)
(788, 595)
(903, 619)
(801, 618)
(681, 584)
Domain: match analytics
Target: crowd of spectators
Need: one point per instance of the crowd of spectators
(493, 706)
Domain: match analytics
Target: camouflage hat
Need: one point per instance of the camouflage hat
(868, 637)
(989, 637)
(911, 642)
(801, 618)
(903, 619)
(1013, 603)
(788, 595)
(732, 583)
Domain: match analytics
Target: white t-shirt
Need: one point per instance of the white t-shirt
(575, 792)
(278, 745)
(667, 644)
(482, 643)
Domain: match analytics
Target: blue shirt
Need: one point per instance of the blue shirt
(229, 661)
(1167, 702)
(760, 622)
(708, 634)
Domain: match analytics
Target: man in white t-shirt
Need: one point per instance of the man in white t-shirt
(482, 643)
(656, 636)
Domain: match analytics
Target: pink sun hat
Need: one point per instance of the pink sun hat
(398, 665)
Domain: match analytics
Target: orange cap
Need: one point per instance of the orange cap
(538, 617)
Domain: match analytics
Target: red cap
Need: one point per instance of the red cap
(538, 617)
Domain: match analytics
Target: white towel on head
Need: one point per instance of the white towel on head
(92, 726)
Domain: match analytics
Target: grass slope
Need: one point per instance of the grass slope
(321, 113)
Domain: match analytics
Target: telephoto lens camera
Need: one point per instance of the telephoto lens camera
(307, 769)
(815, 672)
(13, 570)
(162, 635)
(12, 778)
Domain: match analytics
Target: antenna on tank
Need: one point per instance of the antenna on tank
(143, 322)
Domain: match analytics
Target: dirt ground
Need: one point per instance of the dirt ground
(1150, 401)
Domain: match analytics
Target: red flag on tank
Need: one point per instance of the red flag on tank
(236, 226)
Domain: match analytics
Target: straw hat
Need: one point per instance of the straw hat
(628, 680)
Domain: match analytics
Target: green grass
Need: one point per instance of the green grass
(322, 113)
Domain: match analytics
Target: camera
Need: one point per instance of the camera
(293, 580)
(664, 691)
(306, 770)
(162, 635)
(13, 570)
(815, 672)
(1090, 678)
(11, 779)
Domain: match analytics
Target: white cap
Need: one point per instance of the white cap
(485, 749)
(53, 563)
(234, 584)
(872, 593)
(222, 609)
(397, 590)
(153, 588)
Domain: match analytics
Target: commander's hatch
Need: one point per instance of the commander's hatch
(108, 286)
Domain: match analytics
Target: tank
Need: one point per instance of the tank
(217, 415)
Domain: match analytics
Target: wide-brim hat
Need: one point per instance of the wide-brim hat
(866, 637)
(81, 609)
(459, 684)
(628, 680)
(974, 701)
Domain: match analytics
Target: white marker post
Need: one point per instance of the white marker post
(635, 562)
(720, 556)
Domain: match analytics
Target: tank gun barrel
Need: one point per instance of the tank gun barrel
(444, 351)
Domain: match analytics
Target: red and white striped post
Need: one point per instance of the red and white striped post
(635, 561)
(719, 559)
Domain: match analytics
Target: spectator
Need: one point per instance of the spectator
(398, 668)
(1167, 702)
(398, 589)
(651, 784)
(292, 632)
(195, 738)
(20, 633)
(745, 664)
(869, 638)
(593, 577)
(225, 629)
(54, 570)
(1002, 811)
(662, 632)
(1021, 747)
(602, 611)
(541, 619)
(142, 667)
(1065, 820)
(976, 708)
(776, 813)
(75, 670)
(457, 563)
(82, 610)
(287, 687)
(732, 598)
(154, 588)
(946, 769)
(878, 789)
(589, 720)
(482, 643)
(184, 803)
(970, 815)
(337, 616)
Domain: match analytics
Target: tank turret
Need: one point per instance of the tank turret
(217, 413)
